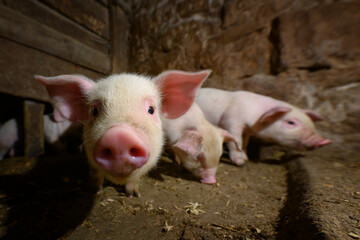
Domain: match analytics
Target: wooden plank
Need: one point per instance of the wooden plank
(90, 14)
(103, 2)
(120, 33)
(60, 23)
(24, 30)
(19, 64)
(33, 128)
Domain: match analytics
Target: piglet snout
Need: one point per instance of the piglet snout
(315, 141)
(208, 176)
(323, 142)
(121, 150)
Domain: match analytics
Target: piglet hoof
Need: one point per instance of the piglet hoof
(132, 190)
(239, 162)
(96, 181)
(238, 158)
(208, 181)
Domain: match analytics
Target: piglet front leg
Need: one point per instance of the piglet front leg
(96, 179)
(132, 188)
(236, 153)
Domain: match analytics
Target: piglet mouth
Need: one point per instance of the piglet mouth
(121, 166)
(117, 170)
(123, 173)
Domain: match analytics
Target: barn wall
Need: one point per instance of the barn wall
(306, 52)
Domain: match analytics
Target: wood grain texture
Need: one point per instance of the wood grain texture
(51, 18)
(19, 64)
(120, 34)
(33, 128)
(22, 29)
(90, 14)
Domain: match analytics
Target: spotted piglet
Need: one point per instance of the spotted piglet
(197, 144)
(123, 135)
(244, 114)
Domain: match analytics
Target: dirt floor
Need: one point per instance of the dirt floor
(325, 192)
(286, 195)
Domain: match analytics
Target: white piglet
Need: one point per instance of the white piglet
(57, 134)
(62, 135)
(123, 135)
(8, 138)
(246, 114)
(197, 144)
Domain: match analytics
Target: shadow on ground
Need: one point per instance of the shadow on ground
(43, 198)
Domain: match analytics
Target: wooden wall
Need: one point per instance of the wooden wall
(50, 37)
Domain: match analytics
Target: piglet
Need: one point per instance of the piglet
(246, 114)
(197, 144)
(8, 138)
(62, 136)
(122, 134)
(58, 135)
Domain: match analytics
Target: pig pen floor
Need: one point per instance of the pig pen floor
(312, 195)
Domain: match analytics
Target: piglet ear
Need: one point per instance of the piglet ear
(269, 117)
(68, 94)
(179, 90)
(190, 143)
(313, 115)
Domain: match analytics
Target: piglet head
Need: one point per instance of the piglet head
(212, 149)
(309, 138)
(121, 115)
(200, 151)
(290, 126)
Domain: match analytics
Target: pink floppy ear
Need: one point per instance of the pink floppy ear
(190, 142)
(179, 90)
(269, 117)
(313, 115)
(68, 94)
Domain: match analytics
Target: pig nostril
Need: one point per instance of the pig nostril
(106, 152)
(135, 152)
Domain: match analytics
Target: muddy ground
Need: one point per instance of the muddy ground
(280, 194)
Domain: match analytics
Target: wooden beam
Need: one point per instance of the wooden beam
(27, 31)
(120, 34)
(51, 18)
(19, 64)
(103, 2)
(90, 14)
(33, 128)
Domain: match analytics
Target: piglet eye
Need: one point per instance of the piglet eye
(95, 109)
(291, 122)
(151, 110)
(95, 112)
